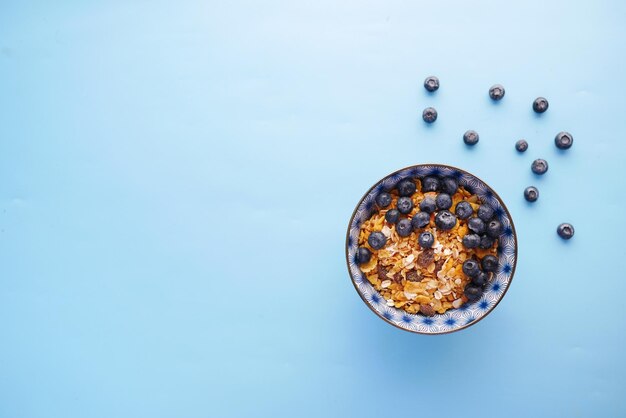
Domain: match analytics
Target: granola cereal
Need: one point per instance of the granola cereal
(430, 280)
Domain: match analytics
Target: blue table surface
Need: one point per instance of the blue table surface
(176, 180)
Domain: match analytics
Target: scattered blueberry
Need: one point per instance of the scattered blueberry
(521, 145)
(531, 193)
(473, 292)
(481, 279)
(406, 187)
(443, 201)
(496, 92)
(485, 212)
(431, 83)
(494, 228)
(539, 166)
(470, 268)
(449, 185)
(540, 105)
(429, 115)
(392, 216)
(428, 205)
(404, 227)
(445, 220)
(463, 210)
(363, 255)
(486, 242)
(471, 240)
(563, 140)
(420, 220)
(383, 199)
(377, 240)
(490, 263)
(405, 205)
(430, 184)
(470, 137)
(426, 239)
(476, 225)
(565, 231)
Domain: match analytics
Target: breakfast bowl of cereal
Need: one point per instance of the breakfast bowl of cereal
(431, 249)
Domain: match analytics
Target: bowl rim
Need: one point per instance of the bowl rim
(441, 166)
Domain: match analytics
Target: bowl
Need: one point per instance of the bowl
(453, 319)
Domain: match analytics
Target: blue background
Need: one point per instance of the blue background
(177, 179)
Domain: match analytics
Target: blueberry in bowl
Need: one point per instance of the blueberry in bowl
(405, 205)
(383, 199)
(428, 204)
(430, 184)
(463, 210)
(392, 216)
(445, 263)
(420, 220)
(443, 201)
(426, 239)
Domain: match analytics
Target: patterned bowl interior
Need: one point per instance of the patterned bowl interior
(454, 319)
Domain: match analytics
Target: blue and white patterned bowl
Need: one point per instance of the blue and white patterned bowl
(453, 319)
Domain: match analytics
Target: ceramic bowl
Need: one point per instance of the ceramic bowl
(453, 319)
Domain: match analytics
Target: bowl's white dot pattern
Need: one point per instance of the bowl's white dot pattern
(454, 319)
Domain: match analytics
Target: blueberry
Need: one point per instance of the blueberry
(429, 115)
(406, 187)
(531, 193)
(496, 92)
(463, 210)
(481, 279)
(470, 137)
(363, 255)
(392, 216)
(405, 205)
(420, 220)
(428, 205)
(445, 220)
(471, 240)
(563, 140)
(383, 199)
(473, 293)
(521, 145)
(565, 231)
(426, 239)
(540, 105)
(430, 184)
(490, 263)
(377, 240)
(486, 242)
(443, 201)
(470, 268)
(485, 212)
(404, 228)
(476, 225)
(431, 83)
(449, 185)
(539, 166)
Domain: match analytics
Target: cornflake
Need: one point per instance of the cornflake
(417, 280)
